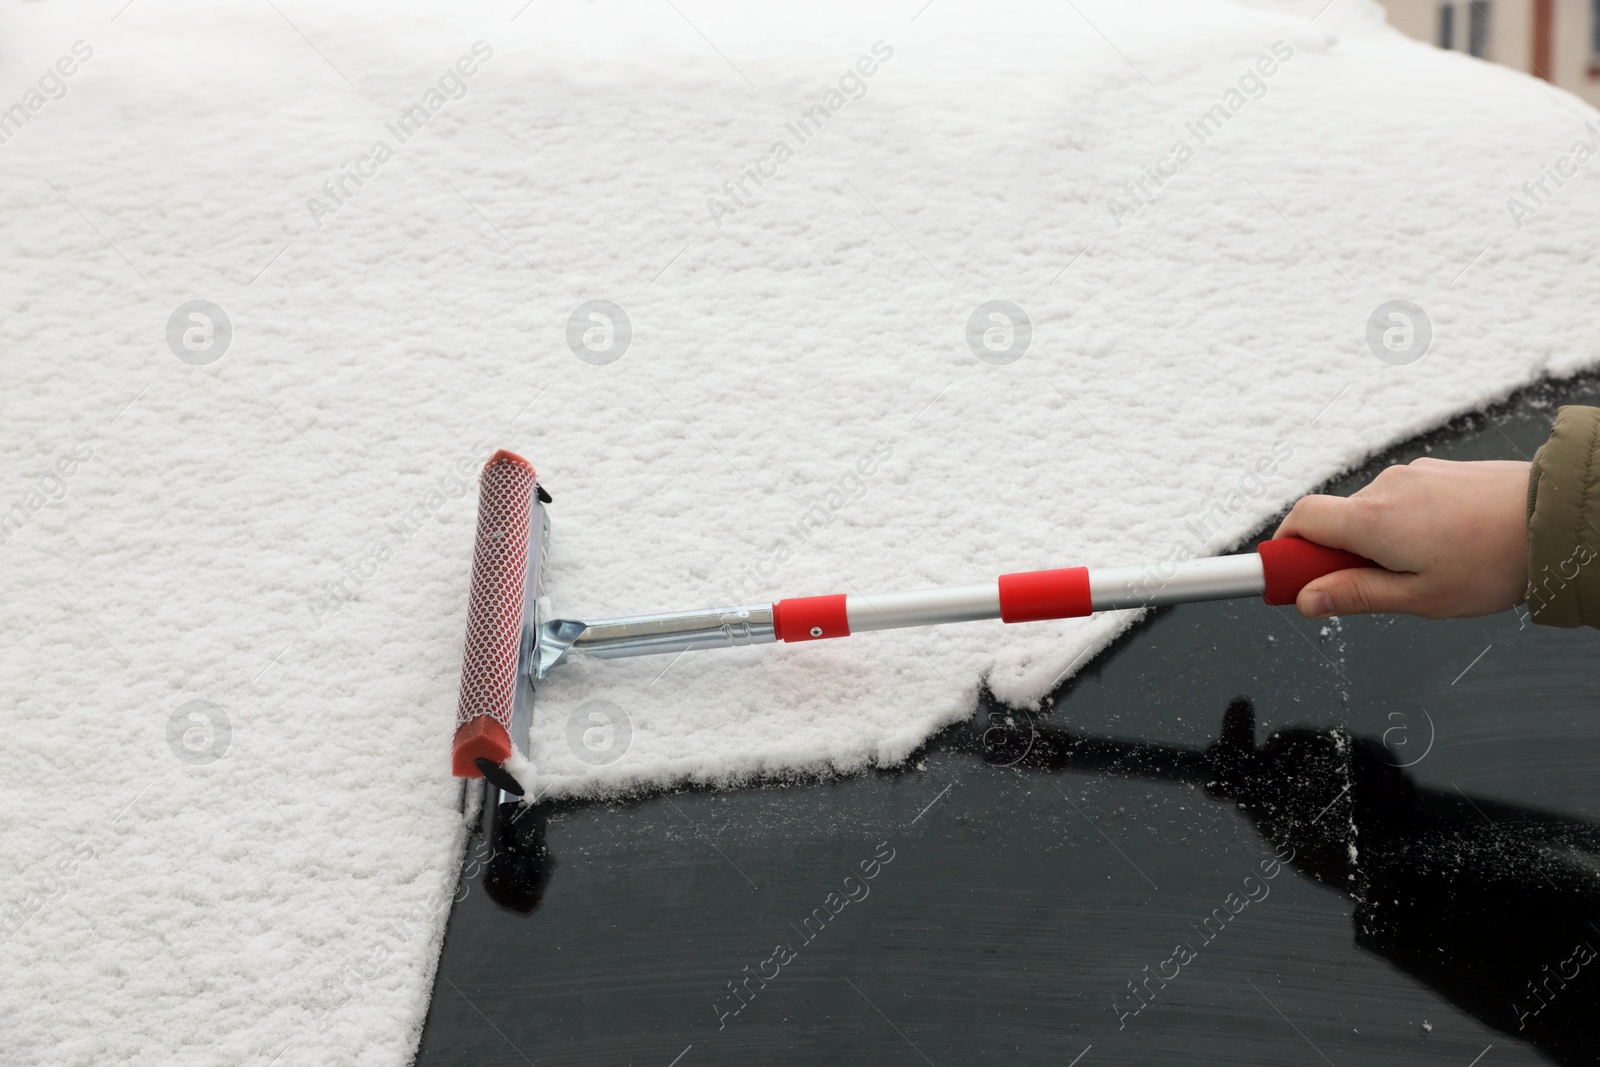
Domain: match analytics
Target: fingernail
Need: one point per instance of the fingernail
(1318, 605)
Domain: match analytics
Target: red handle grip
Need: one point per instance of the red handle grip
(1289, 563)
(810, 618)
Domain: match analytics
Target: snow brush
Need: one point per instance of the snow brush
(513, 640)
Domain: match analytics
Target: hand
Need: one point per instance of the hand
(1452, 537)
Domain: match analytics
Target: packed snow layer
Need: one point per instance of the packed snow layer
(236, 587)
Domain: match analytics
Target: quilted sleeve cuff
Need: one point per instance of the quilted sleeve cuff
(1563, 511)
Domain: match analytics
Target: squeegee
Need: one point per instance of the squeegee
(514, 640)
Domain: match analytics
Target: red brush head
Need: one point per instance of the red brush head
(494, 614)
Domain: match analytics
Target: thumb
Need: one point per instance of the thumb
(1358, 591)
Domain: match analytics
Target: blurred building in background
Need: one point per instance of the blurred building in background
(1558, 40)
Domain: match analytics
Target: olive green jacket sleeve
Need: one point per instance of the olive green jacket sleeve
(1564, 522)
